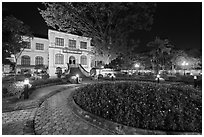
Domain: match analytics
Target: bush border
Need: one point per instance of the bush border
(114, 127)
(34, 103)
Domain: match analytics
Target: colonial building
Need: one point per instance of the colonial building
(59, 50)
(34, 56)
(69, 49)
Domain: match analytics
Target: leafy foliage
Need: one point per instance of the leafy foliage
(108, 24)
(179, 56)
(12, 40)
(144, 105)
(127, 61)
(160, 53)
(12, 88)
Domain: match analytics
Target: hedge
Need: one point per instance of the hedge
(144, 105)
(16, 88)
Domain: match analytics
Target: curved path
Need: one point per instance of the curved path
(54, 117)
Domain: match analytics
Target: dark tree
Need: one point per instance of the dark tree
(108, 24)
(161, 50)
(179, 56)
(15, 36)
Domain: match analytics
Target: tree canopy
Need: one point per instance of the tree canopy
(108, 24)
(12, 37)
(161, 53)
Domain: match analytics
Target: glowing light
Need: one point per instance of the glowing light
(26, 81)
(158, 76)
(77, 75)
(137, 65)
(184, 63)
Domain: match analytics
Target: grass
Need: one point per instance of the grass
(144, 105)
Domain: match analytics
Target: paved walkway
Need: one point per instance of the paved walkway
(55, 117)
(20, 122)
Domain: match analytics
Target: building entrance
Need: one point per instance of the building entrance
(72, 60)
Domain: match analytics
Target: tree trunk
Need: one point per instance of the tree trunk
(15, 71)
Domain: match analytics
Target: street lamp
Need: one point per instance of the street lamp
(158, 77)
(77, 78)
(184, 64)
(137, 66)
(26, 87)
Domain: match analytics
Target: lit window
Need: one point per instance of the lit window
(25, 60)
(59, 41)
(38, 60)
(39, 46)
(72, 43)
(83, 60)
(83, 45)
(59, 59)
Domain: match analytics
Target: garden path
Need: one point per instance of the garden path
(54, 117)
(19, 119)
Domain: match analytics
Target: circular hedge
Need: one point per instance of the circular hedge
(144, 105)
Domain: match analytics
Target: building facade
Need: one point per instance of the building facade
(69, 49)
(56, 51)
(34, 56)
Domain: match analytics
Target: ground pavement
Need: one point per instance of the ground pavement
(54, 115)
(20, 120)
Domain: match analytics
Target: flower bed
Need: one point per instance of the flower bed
(144, 105)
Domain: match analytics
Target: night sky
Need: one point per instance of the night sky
(181, 22)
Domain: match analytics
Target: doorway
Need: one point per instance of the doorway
(72, 60)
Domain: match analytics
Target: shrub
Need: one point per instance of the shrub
(17, 87)
(144, 105)
(4, 91)
(13, 88)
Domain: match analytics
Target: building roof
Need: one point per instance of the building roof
(41, 36)
(69, 34)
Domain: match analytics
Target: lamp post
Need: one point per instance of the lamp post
(195, 81)
(26, 84)
(137, 67)
(77, 78)
(158, 77)
(184, 64)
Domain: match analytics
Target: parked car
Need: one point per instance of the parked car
(41, 75)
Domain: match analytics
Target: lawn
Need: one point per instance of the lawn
(144, 105)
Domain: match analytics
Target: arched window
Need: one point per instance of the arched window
(59, 59)
(25, 60)
(38, 60)
(83, 60)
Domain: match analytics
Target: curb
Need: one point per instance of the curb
(117, 128)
